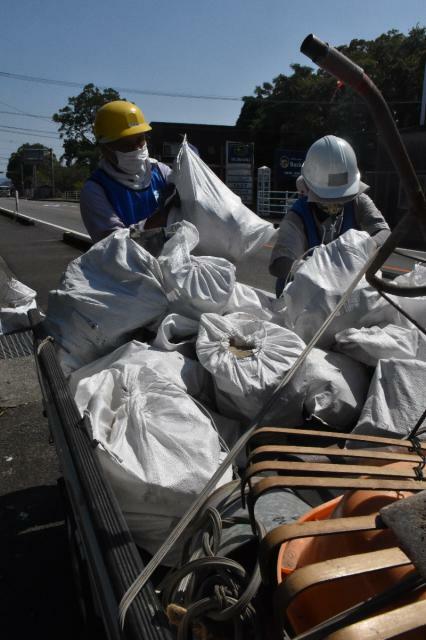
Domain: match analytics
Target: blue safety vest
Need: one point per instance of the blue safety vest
(303, 209)
(132, 205)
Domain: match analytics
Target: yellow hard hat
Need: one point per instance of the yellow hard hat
(119, 119)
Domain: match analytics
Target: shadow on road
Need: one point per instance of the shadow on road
(37, 594)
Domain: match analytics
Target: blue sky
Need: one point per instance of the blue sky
(209, 47)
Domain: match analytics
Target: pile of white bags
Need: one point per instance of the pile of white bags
(16, 299)
(118, 287)
(194, 285)
(151, 406)
(104, 296)
(247, 358)
(157, 447)
(321, 281)
(227, 228)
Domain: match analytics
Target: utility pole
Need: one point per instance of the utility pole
(423, 103)
(52, 173)
(22, 179)
(34, 179)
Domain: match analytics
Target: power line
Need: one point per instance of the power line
(11, 106)
(171, 94)
(33, 135)
(22, 114)
(24, 130)
(149, 92)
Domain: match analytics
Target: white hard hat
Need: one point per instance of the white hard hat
(301, 186)
(331, 170)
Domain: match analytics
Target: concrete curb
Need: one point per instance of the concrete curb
(19, 217)
(75, 238)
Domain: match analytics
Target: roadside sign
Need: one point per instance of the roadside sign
(239, 169)
(35, 156)
(288, 163)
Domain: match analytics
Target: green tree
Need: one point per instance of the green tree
(294, 110)
(76, 123)
(71, 178)
(20, 170)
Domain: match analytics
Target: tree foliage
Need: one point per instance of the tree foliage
(295, 110)
(66, 178)
(18, 170)
(76, 124)
(70, 178)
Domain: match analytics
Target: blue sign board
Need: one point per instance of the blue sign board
(288, 163)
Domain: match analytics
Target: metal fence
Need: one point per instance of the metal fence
(72, 195)
(274, 204)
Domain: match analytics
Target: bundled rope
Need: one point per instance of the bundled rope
(210, 588)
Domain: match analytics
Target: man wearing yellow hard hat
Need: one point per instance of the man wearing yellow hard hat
(128, 186)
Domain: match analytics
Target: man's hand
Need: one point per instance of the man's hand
(158, 219)
(170, 198)
(281, 267)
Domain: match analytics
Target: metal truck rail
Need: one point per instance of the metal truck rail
(105, 557)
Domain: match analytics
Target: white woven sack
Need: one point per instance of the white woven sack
(13, 318)
(13, 293)
(156, 447)
(105, 295)
(16, 299)
(194, 285)
(246, 299)
(247, 359)
(395, 400)
(227, 228)
(177, 333)
(415, 307)
(371, 344)
(183, 372)
(230, 431)
(322, 280)
(336, 389)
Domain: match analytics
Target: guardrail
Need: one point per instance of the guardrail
(274, 204)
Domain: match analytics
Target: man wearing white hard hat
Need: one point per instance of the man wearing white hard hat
(334, 202)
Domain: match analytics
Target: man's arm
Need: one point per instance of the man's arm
(281, 267)
(290, 245)
(98, 215)
(169, 197)
(370, 219)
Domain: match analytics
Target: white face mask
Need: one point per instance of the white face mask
(133, 162)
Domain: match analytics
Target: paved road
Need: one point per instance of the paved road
(253, 271)
(64, 214)
(37, 596)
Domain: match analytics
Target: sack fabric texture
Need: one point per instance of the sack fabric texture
(227, 228)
